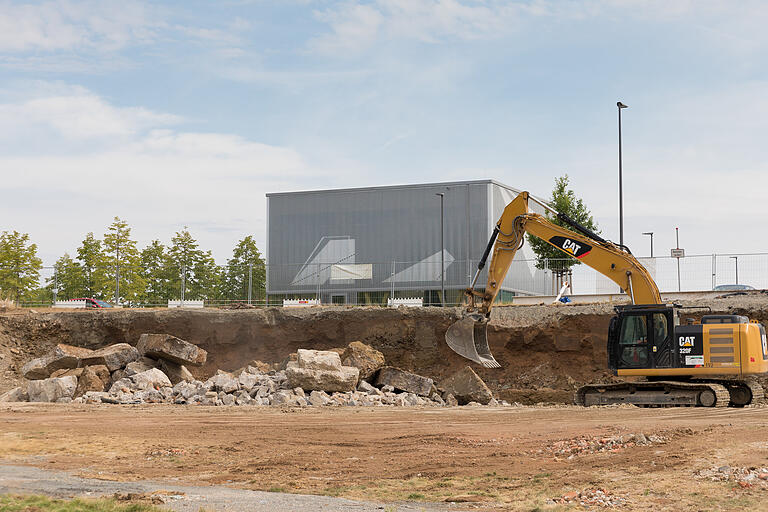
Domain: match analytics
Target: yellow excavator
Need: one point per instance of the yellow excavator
(709, 364)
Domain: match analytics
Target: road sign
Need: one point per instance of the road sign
(678, 253)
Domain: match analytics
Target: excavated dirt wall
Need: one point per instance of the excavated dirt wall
(545, 351)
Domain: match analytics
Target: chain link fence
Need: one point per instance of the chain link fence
(376, 283)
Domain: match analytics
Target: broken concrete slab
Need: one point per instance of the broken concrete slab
(176, 372)
(171, 348)
(63, 357)
(36, 368)
(344, 379)
(466, 386)
(318, 360)
(51, 390)
(225, 382)
(114, 357)
(75, 372)
(363, 357)
(404, 381)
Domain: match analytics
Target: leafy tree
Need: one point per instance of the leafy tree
(158, 274)
(122, 259)
(246, 262)
(194, 268)
(94, 266)
(563, 200)
(19, 266)
(68, 280)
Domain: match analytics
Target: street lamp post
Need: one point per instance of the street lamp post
(650, 233)
(737, 268)
(620, 106)
(442, 250)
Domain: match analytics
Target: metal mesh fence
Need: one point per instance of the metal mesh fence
(374, 283)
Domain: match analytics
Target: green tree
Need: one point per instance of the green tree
(563, 200)
(122, 259)
(246, 262)
(94, 266)
(68, 280)
(19, 266)
(158, 274)
(194, 269)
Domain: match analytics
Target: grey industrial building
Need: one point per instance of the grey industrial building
(362, 245)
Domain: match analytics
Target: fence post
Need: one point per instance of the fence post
(393, 282)
(317, 295)
(117, 275)
(714, 271)
(55, 284)
(250, 281)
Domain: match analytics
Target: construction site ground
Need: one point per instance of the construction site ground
(544, 454)
(526, 458)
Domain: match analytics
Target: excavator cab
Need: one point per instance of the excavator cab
(641, 337)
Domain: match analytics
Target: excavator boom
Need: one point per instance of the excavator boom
(468, 336)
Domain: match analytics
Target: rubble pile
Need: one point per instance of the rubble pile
(583, 445)
(596, 497)
(155, 371)
(744, 477)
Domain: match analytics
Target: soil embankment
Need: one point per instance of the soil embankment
(545, 351)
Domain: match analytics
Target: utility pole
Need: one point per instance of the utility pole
(620, 106)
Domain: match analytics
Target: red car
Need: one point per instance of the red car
(94, 303)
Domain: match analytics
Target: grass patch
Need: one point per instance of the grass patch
(15, 503)
(416, 496)
(275, 488)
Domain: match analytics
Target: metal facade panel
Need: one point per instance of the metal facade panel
(375, 225)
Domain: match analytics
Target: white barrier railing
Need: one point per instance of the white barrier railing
(73, 304)
(300, 302)
(186, 304)
(409, 302)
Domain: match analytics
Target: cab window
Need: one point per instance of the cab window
(634, 330)
(660, 329)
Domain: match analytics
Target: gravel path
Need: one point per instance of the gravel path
(60, 484)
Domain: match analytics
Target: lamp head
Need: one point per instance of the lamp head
(621, 105)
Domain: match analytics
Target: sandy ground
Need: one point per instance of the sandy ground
(487, 459)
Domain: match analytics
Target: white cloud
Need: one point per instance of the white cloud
(63, 25)
(132, 164)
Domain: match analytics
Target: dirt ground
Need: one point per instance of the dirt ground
(487, 459)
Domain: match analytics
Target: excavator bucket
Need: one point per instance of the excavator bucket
(468, 338)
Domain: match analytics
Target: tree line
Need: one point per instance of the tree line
(152, 275)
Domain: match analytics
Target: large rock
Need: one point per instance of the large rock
(150, 379)
(467, 387)
(89, 380)
(225, 382)
(404, 381)
(176, 372)
(140, 365)
(51, 390)
(310, 379)
(363, 357)
(36, 368)
(14, 395)
(75, 372)
(113, 357)
(171, 348)
(318, 360)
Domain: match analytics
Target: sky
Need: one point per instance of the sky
(174, 114)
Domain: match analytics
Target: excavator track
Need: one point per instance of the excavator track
(655, 394)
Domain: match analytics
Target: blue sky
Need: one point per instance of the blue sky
(187, 113)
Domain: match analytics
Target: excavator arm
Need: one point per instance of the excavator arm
(468, 338)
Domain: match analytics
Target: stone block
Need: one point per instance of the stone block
(51, 390)
(15, 395)
(140, 365)
(150, 379)
(318, 360)
(36, 368)
(466, 386)
(309, 379)
(404, 381)
(114, 357)
(171, 348)
(363, 357)
(225, 382)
